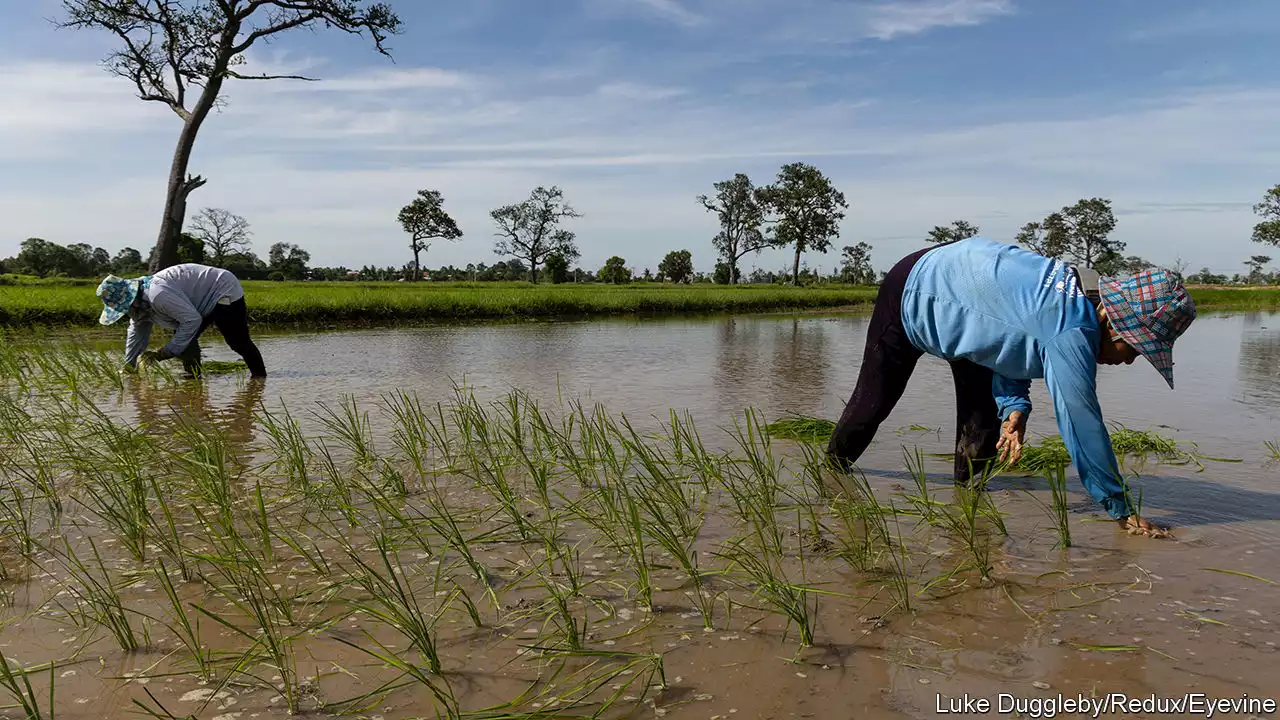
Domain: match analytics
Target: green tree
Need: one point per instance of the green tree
(1206, 277)
(1257, 265)
(425, 220)
(37, 256)
(855, 265)
(529, 230)
(1114, 264)
(1079, 233)
(741, 217)
(557, 268)
(807, 211)
(128, 262)
(180, 52)
(190, 249)
(289, 260)
(677, 266)
(615, 271)
(955, 232)
(723, 274)
(223, 233)
(1268, 231)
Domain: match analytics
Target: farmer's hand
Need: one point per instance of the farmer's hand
(1137, 525)
(1012, 434)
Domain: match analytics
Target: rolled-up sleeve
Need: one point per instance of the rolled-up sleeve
(176, 305)
(1070, 372)
(1011, 395)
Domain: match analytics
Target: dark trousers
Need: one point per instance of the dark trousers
(233, 322)
(887, 364)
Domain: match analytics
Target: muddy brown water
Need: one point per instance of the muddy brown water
(1113, 614)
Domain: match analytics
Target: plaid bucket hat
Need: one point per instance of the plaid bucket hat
(1149, 311)
(117, 294)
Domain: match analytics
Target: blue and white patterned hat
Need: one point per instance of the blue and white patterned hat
(117, 294)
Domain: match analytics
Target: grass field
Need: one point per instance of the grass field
(321, 303)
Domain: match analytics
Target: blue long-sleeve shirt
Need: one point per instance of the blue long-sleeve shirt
(1023, 316)
(179, 298)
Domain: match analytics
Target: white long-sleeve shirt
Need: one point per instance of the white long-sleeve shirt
(179, 299)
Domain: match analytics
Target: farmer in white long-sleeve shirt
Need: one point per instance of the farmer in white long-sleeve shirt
(184, 298)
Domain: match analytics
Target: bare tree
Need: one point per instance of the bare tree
(223, 233)
(425, 219)
(180, 52)
(528, 230)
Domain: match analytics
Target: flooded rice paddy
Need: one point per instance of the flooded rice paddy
(577, 519)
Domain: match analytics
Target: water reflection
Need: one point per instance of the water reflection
(1259, 364)
(160, 407)
(800, 364)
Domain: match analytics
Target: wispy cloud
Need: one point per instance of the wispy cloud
(671, 10)
(886, 21)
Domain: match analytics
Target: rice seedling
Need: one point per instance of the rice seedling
(186, 629)
(16, 682)
(1058, 512)
(924, 504)
(1273, 449)
(97, 597)
(393, 601)
(676, 531)
(292, 454)
(350, 427)
(900, 574)
(768, 581)
(802, 428)
(961, 519)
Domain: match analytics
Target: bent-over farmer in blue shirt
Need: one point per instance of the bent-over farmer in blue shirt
(1002, 316)
(187, 299)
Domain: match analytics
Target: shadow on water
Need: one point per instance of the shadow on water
(1181, 500)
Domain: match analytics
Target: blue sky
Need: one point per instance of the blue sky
(921, 111)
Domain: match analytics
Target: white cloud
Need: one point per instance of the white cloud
(913, 17)
(672, 10)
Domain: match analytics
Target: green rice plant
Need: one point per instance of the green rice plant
(574, 683)
(962, 520)
(560, 607)
(97, 598)
(769, 582)
(676, 531)
(413, 434)
(393, 601)
(443, 521)
(165, 531)
(900, 574)
(410, 673)
(801, 428)
(340, 491)
(291, 451)
(865, 535)
(924, 504)
(1273, 449)
(16, 683)
(349, 425)
(17, 516)
(637, 549)
(753, 480)
(186, 629)
(1058, 511)
(206, 462)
